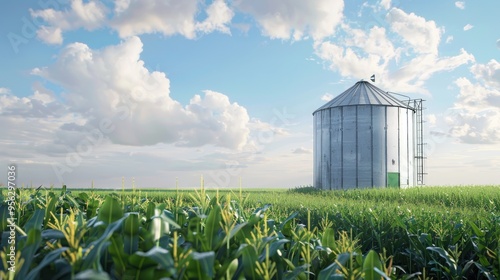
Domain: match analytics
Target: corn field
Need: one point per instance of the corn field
(302, 233)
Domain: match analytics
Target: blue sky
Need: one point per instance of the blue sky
(152, 90)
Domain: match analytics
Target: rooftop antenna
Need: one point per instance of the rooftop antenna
(372, 78)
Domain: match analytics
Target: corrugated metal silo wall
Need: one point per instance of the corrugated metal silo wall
(363, 146)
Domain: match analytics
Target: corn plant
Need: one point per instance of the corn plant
(420, 233)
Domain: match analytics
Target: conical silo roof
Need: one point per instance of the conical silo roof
(363, 93)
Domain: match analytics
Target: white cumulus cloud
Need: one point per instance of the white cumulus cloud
(403, 57)
(386, 4)
(468, 27)
(134, 17)
(294, 19)
(488, 73)
(460, 5)
(346, 58)
(219, 15)
(40, 104)
(421, 34)
(327, 97)
(89, 15)
(113, 87)
(475, 115)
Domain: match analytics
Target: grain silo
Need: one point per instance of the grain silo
(365, 137)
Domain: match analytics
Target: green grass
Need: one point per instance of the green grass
(416, 233)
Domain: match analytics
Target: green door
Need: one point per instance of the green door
(393, 179)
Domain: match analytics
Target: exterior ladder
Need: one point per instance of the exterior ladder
(419, 137)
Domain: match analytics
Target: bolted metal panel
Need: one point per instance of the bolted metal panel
(325, 149)
(364, 152)
(379, 146)
(393, 139)
(349, 149)
(336, 148)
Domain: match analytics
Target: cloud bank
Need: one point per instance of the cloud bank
(475, 116)
(111, 91)
(403, 53)
(134, 17)
(294, 19)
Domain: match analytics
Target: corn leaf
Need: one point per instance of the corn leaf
(161, 256)
(36, 220)
(201, 265)
(212, 227)
(110, 211)
(371, 263)
(328, 238)
(131, 233)
(32, 244)
(96, 248)
(249, 257)
(48, 259)
(330, 272)
(4, 215)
